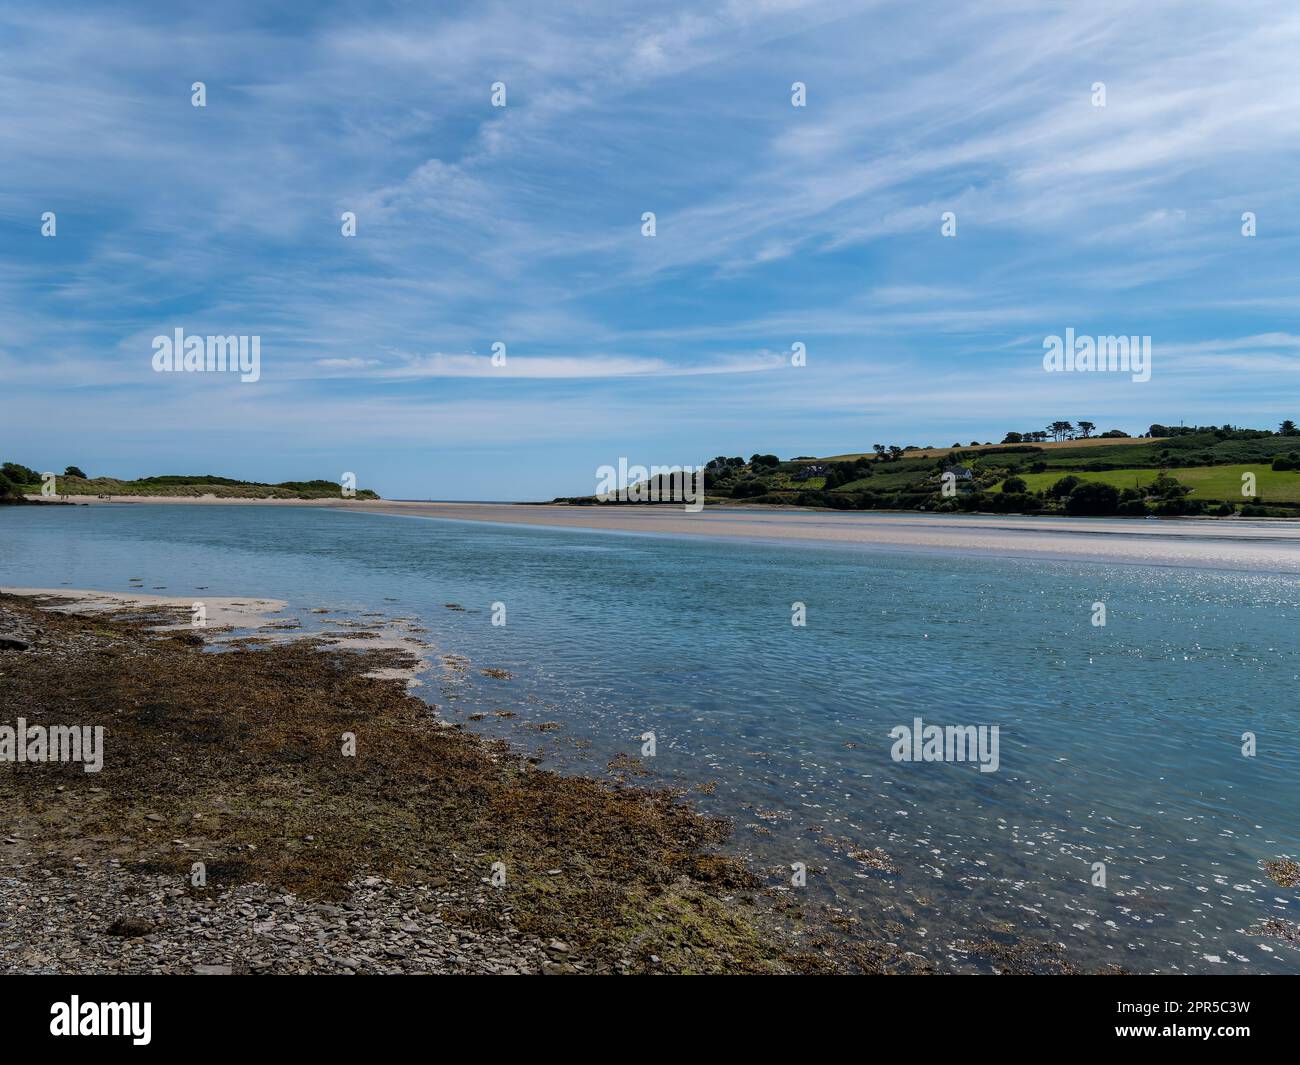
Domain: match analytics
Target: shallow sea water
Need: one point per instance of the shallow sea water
(1119, 744)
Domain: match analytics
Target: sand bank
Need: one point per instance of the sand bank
(204, 500)
(1259, 545)
(1223, 544)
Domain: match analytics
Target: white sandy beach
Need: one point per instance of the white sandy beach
(221, 611)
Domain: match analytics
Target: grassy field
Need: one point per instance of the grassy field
(1206, 482)
(1048, 446)
(1208, 461)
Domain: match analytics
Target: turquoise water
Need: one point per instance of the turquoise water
(1118, 744)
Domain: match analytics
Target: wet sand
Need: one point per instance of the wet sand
(203, 500)
(1235, 544)
(1217, 544)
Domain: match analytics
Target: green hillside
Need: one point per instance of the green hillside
(1170, 471)
(17, 480)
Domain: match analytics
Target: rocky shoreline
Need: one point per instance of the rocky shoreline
(231, 829)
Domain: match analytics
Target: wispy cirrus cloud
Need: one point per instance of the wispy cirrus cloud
(522, 225)
(525, 367)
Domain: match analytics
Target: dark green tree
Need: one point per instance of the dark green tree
(20, 474)
(1093, 498)
(1064, 486)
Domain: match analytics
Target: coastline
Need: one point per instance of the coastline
(233, 762)
(314, 860)
(203, 500)
(1254, 544)
(1112, 541)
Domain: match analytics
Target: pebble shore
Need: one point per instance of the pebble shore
(430, 850)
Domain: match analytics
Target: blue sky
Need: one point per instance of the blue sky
(522, 224)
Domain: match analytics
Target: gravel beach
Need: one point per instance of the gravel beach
(231, 831)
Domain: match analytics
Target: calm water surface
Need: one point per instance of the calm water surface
(1118, 744)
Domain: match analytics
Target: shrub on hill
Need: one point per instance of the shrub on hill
(1005, 502)
(842, 473)
(20, 474)
(1092, 498)
(1167, 487)
(1175, 506)
(1062, 488)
